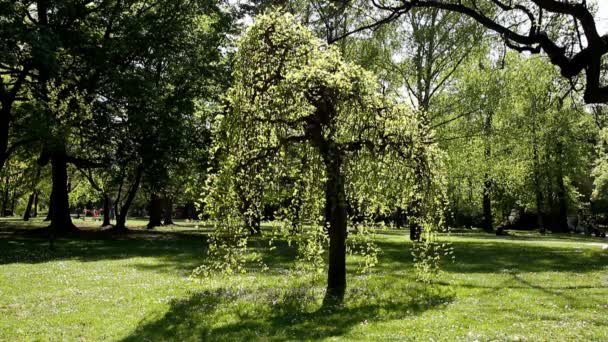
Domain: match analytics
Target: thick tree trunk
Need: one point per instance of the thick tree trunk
(155, 210)
(336, 207)
(61, 222)
(121, 218)
(168, 212)
(106, 210)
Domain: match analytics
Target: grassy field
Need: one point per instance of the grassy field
(136, 287)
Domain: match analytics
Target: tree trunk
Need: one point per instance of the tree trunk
(49, 213)
(106, 210)
(251, 216)
(168, 212)
(5, 121)
(13, 201)
(487, 206)
(121, 218)
(155, 210)
(561, 224)
(538, 190)
(28, 208)
(6, 192)
(35, 213)
(33, 197)
(487, 223)
(61, 222)
(336, 208)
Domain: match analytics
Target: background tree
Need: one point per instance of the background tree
(565, 31)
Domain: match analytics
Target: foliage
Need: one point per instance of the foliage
(292, 100)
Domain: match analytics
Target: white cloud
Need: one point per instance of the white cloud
(601, 18)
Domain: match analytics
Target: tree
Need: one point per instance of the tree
(291, 91)
(537, 135)
(565, 31)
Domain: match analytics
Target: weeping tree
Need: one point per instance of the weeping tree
(296, 104)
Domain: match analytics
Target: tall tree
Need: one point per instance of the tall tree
(290, 91)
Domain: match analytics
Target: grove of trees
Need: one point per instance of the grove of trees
(328, 117)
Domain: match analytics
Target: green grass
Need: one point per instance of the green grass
(133, 288)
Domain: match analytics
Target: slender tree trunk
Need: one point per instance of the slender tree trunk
(121, 218)
(33, 196)
(6, 192)
(61, 222)
(155, 211)
(49, 213)
(28, 208)
(415, 209)
(251, 216)
(336, 207)
(13, 200)
(168, 212)
(5, 118)
(487, 206)
(35, 213)
(562, 201)
(106, 210)
(487, 223)
(538, 189)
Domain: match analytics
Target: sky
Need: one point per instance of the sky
(601, 19)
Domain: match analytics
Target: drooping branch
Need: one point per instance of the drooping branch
(588, 59)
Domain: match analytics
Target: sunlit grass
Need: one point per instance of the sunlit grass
(136, 287)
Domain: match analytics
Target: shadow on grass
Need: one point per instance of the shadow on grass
(172, 253)
(492, 256)
(270, 315)
(182, 251)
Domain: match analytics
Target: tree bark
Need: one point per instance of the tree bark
(538, 189)
(61, 222)
(155, 210)
(168, 212)
(487, 206)
(33, 197)
(28, 208)
(49, 213)
(5, 115)
(5, 197)
(121, 218)
(35, 213)
(336, 207)
(106, 210)
(561, 224)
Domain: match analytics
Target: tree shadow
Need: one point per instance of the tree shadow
(173, 252)
(495, 256)
(280, 315)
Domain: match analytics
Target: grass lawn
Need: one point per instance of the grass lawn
(136, 287)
